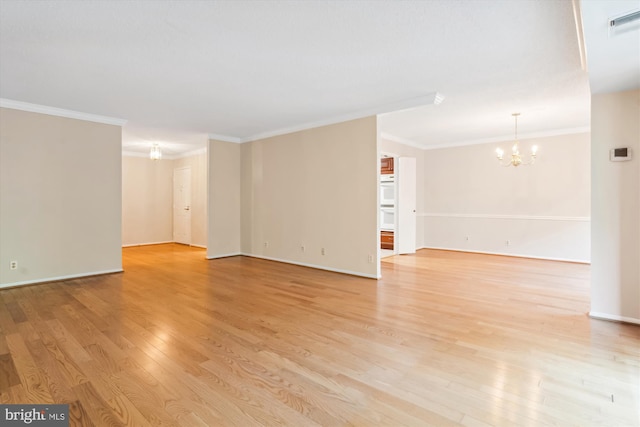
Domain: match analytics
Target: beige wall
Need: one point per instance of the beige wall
(403, 150)
(198, 165)
(615, 201)
(60, 197)
(542, 210)
(315, 188)
(146, 201)
(224, 199)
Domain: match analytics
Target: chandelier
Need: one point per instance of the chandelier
(516, 157)
(155, 153)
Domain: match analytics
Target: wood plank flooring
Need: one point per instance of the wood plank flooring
(445, 338)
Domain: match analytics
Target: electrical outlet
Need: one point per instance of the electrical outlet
(266, 244)
(302, 248)
(370, 259)
(322, 251)
(13, 265)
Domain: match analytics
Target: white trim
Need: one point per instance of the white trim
(224, 255)
(406, 104)
(52, 111)
(614, 317)
(58, 278)
(318, 267)
(399, 140)
(514, 217)
(130, 245)
(226, 138)
(392, 107)
(494, 139)
(577, 261)
(164, 155)
(497, 139)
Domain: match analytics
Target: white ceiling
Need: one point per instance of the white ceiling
(614, 62)
(179, 71)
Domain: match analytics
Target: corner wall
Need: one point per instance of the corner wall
(615, 202)
(542, 211)
(223, 199)
(316, 189)
(60, 197)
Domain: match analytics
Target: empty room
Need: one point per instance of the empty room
(373, 213)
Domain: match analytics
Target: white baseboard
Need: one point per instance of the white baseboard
(224, 255)
(58, 278)
(318, 267)
(614, 318)
(146, 244)
(577, 261)
(160, 243)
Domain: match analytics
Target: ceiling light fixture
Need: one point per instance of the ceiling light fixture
(155, 153)
(625, 23)
(516, 157)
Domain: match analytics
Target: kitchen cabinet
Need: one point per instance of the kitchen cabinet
(386, 240)
(386, 165)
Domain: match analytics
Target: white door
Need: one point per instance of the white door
(182, 205)
(406, 209)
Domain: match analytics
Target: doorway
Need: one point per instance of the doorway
(397, 205)
(182, 205)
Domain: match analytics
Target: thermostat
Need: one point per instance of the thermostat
(620, 154)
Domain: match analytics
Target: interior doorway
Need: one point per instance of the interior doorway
(397, 205)
(182, 205)
(406, 205)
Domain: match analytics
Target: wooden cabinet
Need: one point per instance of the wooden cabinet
(386, 165)
(386, 240)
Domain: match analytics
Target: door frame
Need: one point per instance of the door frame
(189, 206)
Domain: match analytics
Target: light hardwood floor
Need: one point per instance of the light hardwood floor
(445, 338)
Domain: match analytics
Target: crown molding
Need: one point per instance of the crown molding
(226, 138)
(543, 134)
(60, 112)
(165, 156)
(400, 140)
(428, 99)
(496, 139)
